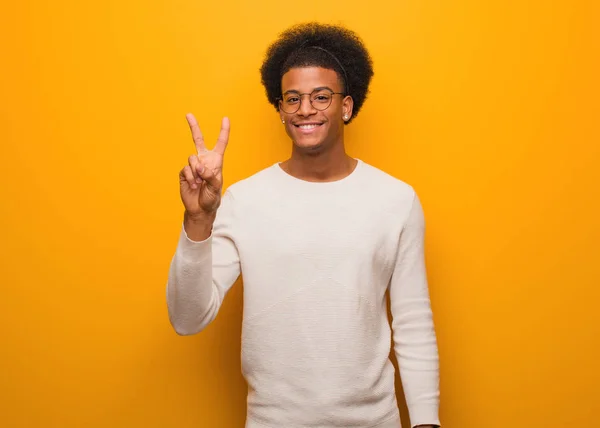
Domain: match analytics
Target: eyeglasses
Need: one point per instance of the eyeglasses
(320, 99)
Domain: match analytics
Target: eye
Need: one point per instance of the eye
(321, 97)
(292, 100)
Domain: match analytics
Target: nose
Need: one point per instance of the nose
(306, 108)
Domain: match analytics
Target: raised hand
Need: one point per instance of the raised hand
(201, 181)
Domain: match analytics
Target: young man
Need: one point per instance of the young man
(319, 239)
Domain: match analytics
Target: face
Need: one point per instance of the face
(310, 129)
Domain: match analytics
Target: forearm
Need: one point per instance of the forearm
(192, 299)
(417, 354)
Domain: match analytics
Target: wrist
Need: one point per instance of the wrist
(199, 218)
(198, 227)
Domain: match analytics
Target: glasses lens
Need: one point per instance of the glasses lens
(321, 99)
(290, 103)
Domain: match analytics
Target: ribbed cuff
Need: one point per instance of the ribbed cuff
(424, 414)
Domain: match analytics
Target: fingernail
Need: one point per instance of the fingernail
(198, 181)
(194, 186)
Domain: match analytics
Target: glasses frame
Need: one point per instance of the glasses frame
(301, 96)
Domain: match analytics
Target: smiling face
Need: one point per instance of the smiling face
(311, 129)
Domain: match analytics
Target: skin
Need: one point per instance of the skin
(201, 182)
(319, 154)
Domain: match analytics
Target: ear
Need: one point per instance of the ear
(347, 107)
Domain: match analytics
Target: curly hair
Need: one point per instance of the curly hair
(319, 45)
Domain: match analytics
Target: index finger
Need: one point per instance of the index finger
(223, 137)
(196, 133)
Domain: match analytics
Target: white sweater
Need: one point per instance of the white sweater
(317, 260)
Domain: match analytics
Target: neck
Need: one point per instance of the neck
(329, 165)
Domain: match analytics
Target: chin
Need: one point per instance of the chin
(310, 146)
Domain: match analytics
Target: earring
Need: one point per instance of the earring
(346, 117)
(282, 120)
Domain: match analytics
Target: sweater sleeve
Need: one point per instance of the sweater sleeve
(201, 273)
(414, 336)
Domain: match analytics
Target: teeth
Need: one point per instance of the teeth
(308, 126)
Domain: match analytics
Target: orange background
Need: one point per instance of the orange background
(489, 109)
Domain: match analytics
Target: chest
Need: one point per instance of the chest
(296, 236)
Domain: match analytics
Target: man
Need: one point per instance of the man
(319, 238)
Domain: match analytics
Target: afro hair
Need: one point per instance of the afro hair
(319, 45)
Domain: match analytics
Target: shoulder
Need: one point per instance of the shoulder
(252, 186)
(397, 200)
(392, 197)
(388, 187)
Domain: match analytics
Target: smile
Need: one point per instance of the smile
(307, 127)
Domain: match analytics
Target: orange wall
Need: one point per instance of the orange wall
(490, 109)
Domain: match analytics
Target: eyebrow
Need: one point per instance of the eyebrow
(320, 88)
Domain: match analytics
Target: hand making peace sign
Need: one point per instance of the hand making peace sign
(201, 181)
